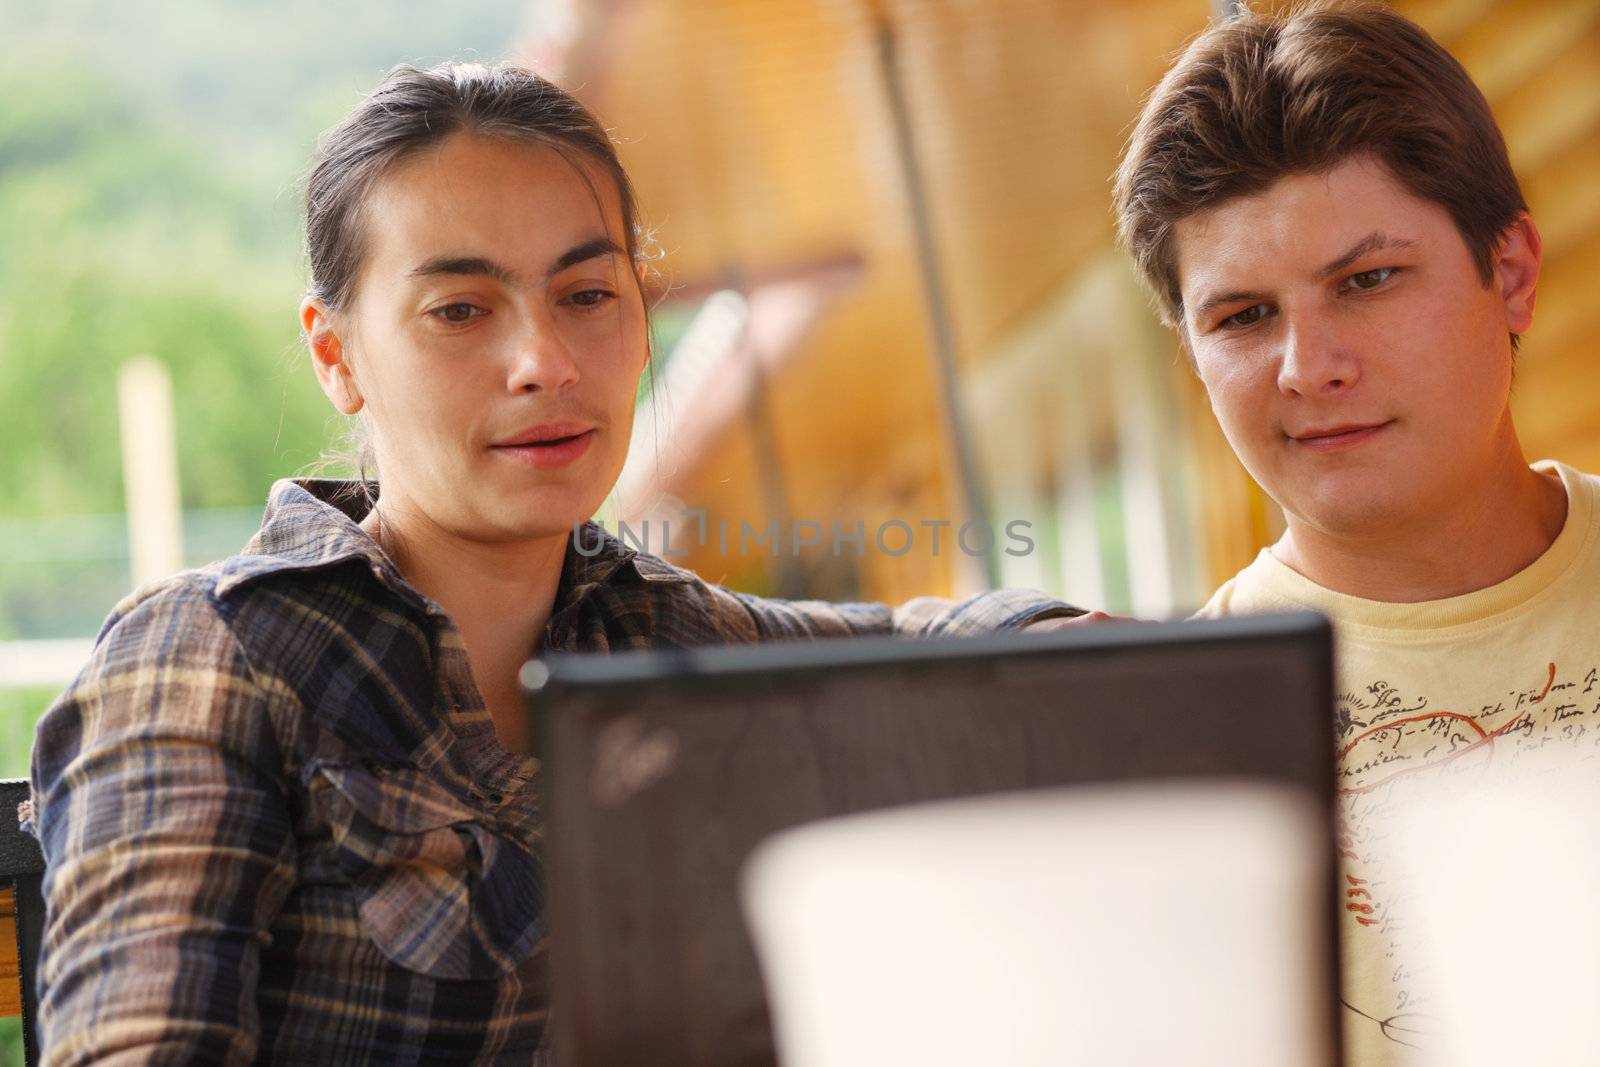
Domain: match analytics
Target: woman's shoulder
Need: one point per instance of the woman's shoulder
(166, 669)
(689, 610)
(684, 610)
(256, 625)
(241, 606)
(169, 621)
(640, 600)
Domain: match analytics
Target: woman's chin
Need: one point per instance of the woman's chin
(541, 519)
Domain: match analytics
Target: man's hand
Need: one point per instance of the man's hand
(1044, 625)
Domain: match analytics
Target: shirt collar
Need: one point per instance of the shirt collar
(312, 523)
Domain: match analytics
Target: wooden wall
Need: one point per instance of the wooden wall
(759, 134)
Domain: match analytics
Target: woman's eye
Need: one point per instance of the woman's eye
(1248, 317)
(456, 313)
(1371, 279)
(589, 298)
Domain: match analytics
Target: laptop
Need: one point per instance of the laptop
(663, 772)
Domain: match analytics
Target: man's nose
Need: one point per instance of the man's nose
(1316, 361)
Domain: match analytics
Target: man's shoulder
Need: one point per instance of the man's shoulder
(1255, 589)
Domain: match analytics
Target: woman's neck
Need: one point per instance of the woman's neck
(499, 595)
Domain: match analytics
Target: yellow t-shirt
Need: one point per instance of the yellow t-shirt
(1451, 683)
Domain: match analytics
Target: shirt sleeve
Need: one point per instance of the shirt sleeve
(167, 841)
(1003, 609)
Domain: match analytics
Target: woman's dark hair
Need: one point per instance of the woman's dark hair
(412, 110)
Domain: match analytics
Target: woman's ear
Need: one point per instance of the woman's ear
(328, 357)
(641, 271)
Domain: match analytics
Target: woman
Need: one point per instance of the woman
(282, 809)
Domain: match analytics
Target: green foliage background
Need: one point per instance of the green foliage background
(149, 164)
(150, 159)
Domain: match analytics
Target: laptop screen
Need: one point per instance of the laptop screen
(664, 770)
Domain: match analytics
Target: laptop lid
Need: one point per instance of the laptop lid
(664, 770)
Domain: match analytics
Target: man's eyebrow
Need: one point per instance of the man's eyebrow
(1369, 244)
(1373, 242)
(472, 265)
(593, 248)
(1233, 297)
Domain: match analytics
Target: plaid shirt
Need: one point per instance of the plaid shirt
(278, 824)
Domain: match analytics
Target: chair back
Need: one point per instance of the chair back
(21, 916)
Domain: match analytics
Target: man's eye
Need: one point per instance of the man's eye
(456, 313)
(1248, 317)
(1371, 279)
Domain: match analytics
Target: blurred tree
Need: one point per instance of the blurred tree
(123, 240)
(149, 160)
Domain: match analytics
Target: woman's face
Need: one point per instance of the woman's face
(495, 339)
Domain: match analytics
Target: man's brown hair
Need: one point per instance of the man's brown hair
(1257, 97)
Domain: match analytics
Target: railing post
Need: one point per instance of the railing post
(150, 469)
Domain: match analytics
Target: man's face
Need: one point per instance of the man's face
(1353, 356)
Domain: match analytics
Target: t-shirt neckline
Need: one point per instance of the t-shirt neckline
(1465, 609)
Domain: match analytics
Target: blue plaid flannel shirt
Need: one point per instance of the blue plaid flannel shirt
(277, 822)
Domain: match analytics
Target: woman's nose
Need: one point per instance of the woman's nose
(541, 360)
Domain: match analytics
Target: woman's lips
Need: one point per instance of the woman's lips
(1340, 438)
(548, 455)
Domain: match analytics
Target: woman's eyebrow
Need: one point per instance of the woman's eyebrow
(593, 248)
(472, 265)
(482, 266)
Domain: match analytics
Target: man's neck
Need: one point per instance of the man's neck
(499, 595)
(1495, 532)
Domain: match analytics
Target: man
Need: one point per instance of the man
(1324, 208)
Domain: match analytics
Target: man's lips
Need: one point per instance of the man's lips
(1337, 437)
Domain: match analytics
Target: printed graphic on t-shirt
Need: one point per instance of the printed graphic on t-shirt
(1392, 741)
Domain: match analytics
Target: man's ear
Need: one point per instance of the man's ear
(328, 357)
(1516, 271)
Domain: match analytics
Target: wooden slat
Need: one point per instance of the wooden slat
(1562, 197)
(10, 977)
(1447, 20)
(1566, 318)
(1554, 110)
(1512, 43)
(757, 133)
